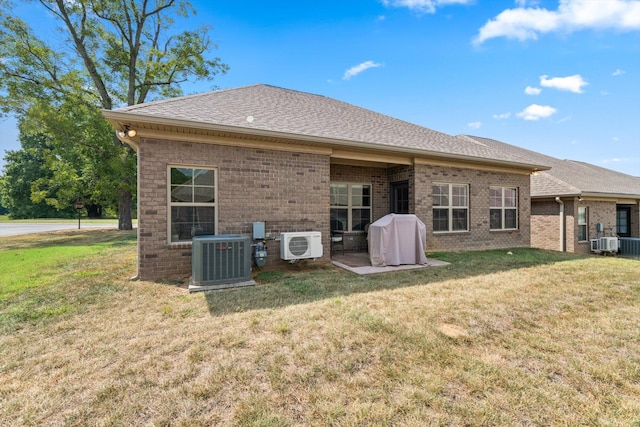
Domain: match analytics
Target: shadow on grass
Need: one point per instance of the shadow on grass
(306, 282)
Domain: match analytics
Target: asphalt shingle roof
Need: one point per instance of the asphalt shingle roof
(568, 177)
(274, 109)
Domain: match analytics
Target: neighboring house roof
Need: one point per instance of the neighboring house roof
(269, 111)
(568, 177)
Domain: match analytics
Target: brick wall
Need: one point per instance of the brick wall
(288, 191)
(479, 236)
(545, 222)
(598, 213)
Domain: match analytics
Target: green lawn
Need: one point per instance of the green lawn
(533, 338)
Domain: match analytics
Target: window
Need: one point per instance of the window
(583, 235)
(350, 206)
(623, 215)
(450, 207)
(192, 202)
(503, 212)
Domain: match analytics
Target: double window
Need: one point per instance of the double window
(350, 206)
(450, 207)
(192, 202)
(503, 208)
(583, 234)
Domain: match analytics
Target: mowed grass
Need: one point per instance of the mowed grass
(533, 338)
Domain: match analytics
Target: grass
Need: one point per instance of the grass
(533, 338)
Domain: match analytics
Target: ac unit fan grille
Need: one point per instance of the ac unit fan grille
(298, 245)
(221, 259)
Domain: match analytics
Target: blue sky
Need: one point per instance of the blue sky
(561, 78)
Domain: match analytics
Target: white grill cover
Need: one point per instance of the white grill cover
(397, 239)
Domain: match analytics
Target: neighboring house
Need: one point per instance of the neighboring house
(216, 162)
(572, 198)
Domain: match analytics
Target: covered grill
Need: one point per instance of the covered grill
(397, 239)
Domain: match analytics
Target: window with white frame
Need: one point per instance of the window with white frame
(192, 202)
(450, 207)
(583, 234)
(350, 206)
(503, 211)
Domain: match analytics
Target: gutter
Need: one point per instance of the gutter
(122, 117)
(561, 203)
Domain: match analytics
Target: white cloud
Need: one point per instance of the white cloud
(357, 69)
(532, 90)
(502, 116)
(572, 15)
(570, 83)
(535, 112)
(423, 6)
(475, 125)
(618, 72)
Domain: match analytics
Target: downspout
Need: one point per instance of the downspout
(561, 203)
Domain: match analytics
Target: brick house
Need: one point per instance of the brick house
(214, 163)
(569, 200)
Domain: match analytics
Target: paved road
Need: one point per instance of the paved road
(14, 229)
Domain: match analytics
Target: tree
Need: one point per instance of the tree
(23, 168)
(116, 53)
(79, 170)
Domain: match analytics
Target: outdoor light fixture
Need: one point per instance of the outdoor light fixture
(127, 132)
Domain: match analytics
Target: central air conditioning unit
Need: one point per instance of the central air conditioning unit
(221, 261)
(300, 245)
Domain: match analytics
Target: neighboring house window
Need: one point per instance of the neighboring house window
(350, 206)
(583, 235)
(192, 202)
(503, 212)
(450, 207)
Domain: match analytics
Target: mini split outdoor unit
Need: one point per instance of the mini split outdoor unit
(604, 244)
(300, 245)
(219, 261)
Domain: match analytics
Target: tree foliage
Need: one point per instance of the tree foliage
(23, 168)
(114, 53)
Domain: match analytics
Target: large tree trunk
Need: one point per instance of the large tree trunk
(124, 210)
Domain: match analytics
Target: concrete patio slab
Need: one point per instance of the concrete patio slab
(358, 263)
